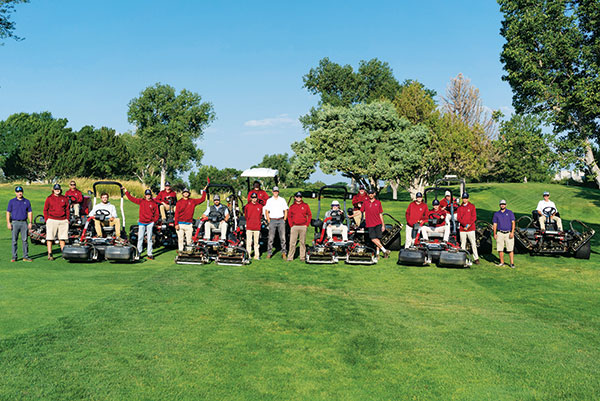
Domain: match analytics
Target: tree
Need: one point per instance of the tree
(525, 150)
(231, 176)
(415, 102)
(7, 26)
(280, 162)
(552, 60)
(167, 126)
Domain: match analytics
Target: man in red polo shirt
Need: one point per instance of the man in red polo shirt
(374, 220)
(467, 216)
(299, 216)
(147, 217)
(56, 216)
(163, 198)
(436, 222)
(361, 197)
(184, 217)
(76, 196)
(253, 212)
(416, 214)
(262, 195)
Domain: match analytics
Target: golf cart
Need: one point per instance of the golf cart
(530, 238)
(260, 172)
(93, 246)
(229, 251)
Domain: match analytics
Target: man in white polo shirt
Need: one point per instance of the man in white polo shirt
(546, 202)
(276, 210)
(111, 220)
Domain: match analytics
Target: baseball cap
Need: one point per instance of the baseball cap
(361, 187)
(298, 194)
(254, 195)
(167, 184)
(419, 195)
(546, 193)
(217, 197)
(447, 193)
(502, 202)
(275, 189)
(57, 186)
(435, 202)
(186, 190)
(147, 192)
(19, 189)
(465, 195)
(335, 203)
(370, 191)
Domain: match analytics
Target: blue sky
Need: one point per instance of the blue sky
(85, 61)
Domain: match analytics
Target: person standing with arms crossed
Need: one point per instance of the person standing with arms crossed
(17, 214)
(253, 212)
(56, 216)
(299, 217)
(504, 233)
(276, 210)
(147, 217)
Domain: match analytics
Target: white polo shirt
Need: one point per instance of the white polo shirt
(276, 207)
(544, 204)
(108, 206)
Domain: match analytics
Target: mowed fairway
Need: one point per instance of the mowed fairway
(275, 330)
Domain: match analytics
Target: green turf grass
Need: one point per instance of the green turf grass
(278, 330)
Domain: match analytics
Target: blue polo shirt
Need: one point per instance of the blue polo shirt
(504, 219)
(18, 209)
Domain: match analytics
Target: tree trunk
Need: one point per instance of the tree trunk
(163, 175)
(395, 183)
(591, 163)
(417, 185)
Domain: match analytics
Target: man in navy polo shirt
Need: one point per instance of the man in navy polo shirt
(17, 214)
(504, 233)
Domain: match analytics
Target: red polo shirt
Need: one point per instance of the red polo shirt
(439, 214)
(372, 211)
(164, 195)
(75, 193)
(262, 196)
(56, 207)
(467, 214)
(359, 198)
(299, 214)
(416, 212)
(148, 208)
(253, 213)
(185, 209)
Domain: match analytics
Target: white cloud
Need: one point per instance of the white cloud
(279, 121)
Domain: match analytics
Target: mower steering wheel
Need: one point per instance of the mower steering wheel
(72, 198)
(548, 211)
(102, 212)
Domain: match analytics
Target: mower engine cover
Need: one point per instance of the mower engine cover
(77, 253)
(119, 253)
(412, 257)
(453, 259)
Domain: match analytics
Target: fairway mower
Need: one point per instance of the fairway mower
(228, 251)
(92, 246)
(573, 242)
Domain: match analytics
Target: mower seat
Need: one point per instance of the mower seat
(108, 230)
(434, 234)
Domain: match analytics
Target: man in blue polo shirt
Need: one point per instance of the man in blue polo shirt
(504, 233)
(17, 214)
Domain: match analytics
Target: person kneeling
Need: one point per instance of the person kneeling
(217, 215)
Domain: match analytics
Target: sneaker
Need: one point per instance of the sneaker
(268, 256)
(512, 265)
(27, 260)
(256, 258)
(386, 254)
(50, 257)
(150, 257)
(476, 261)
(303, 260)
(498, 264)
(13, 260)
(283, 255)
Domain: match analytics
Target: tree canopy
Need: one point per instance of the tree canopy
(167, 128)
(552, 60)
(7, 25)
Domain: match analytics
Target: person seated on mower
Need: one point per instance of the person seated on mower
(416, 216)
(337, 222)
(216, 216)
(261, 195)
(111, 220)
(547, 203)
(360, 198)
(445, 204)
(436, 218)
(76, 198)
(163, 198)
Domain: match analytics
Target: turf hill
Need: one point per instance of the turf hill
(277, 330)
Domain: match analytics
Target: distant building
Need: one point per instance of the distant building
(574, 175)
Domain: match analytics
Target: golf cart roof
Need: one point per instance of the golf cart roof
(260, 172)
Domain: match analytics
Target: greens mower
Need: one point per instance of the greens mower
(574, 242)
(91, 246)
(229, 251)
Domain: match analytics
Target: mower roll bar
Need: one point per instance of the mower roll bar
(118, 184)
(452, 198)
(341, 187)
(452, 179)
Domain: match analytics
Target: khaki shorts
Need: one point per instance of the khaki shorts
(503, 240)
(57, 229)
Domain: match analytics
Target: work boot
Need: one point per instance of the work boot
(283, 255)
(27, 260)
(269, 256)
(476, 261)
(50, 257)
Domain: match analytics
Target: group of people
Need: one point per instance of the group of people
(272, 209)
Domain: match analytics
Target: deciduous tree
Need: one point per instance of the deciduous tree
(7, 25)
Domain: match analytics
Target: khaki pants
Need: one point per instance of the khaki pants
(341, 229)
(76, 209)
(557, 219)
(184, 234)
(252, 237)
(409, 239)
(163, 211)
(442, 229)
(469, 235)
(208, 227)
(57, 230)
(504, 240)
(297, 234)
(115, 223)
